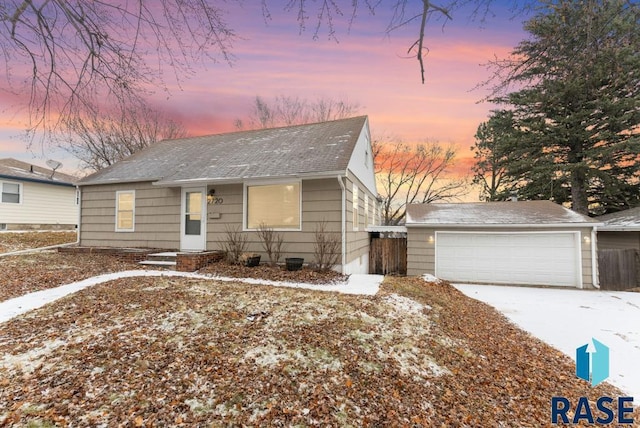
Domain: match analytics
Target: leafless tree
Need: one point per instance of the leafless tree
(408, 174)
(101, 139)
(80, 55)
(288, 110)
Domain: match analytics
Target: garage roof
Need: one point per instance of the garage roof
(496, 214)
(627, 220)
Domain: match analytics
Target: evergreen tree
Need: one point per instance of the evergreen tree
(577, 107)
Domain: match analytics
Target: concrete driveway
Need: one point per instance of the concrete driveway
(568, 318)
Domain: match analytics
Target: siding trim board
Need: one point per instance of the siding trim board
(35, 180)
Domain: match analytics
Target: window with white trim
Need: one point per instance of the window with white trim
(11, 192)
(355, 204)
(125, 210)
(277, 206)
(366, 210)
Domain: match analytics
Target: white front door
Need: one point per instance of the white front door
(193, 223)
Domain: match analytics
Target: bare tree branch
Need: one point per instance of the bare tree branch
(414, 174)
(103, 138)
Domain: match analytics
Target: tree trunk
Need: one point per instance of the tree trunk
(579, 201)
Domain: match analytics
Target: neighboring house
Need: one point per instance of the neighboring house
(36, 198)
(186, 194)
(620, 231)
(528, 243)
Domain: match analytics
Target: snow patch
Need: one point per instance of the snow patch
(404, 305)
(557, 317)
(427, 277)
(32, 359)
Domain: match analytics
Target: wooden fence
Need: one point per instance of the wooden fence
(388, 256)
(619, 269)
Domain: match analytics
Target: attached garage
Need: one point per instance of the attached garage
(522, 243)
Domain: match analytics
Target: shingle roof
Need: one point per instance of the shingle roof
(628, 220)
(13, 168)
(494, 213)
(264, 153)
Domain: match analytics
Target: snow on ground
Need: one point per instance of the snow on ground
(356, 284)
(569, 318)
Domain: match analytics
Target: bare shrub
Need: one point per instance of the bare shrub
(326, 248)
(235, 244)
(272, 242)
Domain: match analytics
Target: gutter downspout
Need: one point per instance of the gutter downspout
(594, 259)
(79, 196)
(343, 224)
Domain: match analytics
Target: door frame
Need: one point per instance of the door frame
(190, 242)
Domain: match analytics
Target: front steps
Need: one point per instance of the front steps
(166, 260)
(182, 261)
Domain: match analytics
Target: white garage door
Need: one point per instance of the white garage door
(509, 258)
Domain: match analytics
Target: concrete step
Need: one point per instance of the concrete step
(159, 263)
(162, 260)
(163, 257)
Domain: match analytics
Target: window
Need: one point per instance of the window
(355, 204)
(11, 193)
(125, 210)
(366, 210)
(275, 205)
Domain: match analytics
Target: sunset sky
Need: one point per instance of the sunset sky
(366, 67)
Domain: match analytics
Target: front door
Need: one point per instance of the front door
(193, 224)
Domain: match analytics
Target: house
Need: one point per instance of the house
(527, 242)
(620, 230)
(186, 194)
(36, 198)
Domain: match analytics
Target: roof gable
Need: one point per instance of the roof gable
(317, 148)
(17, 170)
(494, 213)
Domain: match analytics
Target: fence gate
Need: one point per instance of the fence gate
(619, 269)
(388, 256)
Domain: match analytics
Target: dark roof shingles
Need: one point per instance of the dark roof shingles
(276, 152)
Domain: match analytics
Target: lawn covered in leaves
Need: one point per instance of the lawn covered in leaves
(27, 273)
(14, 241)
(180, 352)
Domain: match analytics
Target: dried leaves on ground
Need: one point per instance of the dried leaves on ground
(27, 273)
(16, 241)
(179, 352)
(276, 273)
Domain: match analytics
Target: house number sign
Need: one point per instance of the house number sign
(215, 201)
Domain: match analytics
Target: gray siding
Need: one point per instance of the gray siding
(157, 217)
(357, 241)
(421, 253)
(321, 200)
